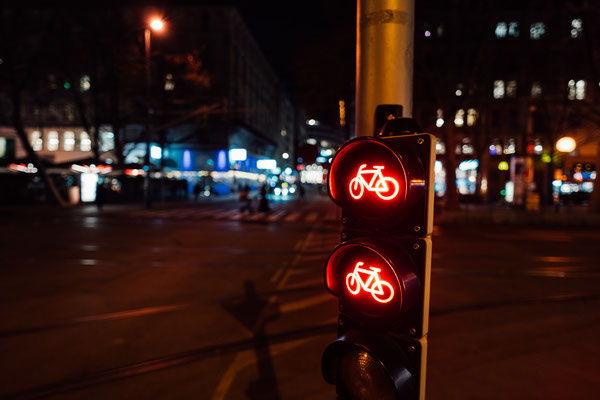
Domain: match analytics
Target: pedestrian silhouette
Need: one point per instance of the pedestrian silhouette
(99, 196)
(263, 205)
(245, 200)
(301, 191)
(196, 191)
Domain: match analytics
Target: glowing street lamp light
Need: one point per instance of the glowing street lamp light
(566, 144)
(157, 24)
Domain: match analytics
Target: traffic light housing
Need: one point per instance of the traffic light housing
(381, 270)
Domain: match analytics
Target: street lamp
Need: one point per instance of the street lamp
(157, 25)
(566, 144)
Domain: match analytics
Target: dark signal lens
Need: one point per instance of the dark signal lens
(362, 377)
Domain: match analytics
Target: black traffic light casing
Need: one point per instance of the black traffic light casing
(407, 160)
(382, 269)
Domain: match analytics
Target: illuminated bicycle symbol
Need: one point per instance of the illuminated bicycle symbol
(378, 183)
(381, 291)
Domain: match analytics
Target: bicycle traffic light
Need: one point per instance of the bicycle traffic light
(381, 270)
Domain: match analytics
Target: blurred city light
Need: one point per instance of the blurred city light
(266, 164)
(157, 24)
(238, 155)
(155, 152)
(566, 144)
(503, 166)
(468, 165)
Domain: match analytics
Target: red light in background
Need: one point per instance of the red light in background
(369, 281)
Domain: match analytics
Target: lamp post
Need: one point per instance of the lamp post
(155, 24)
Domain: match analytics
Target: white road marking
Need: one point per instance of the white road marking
(246, 358)
(312, 217)
(292, 217)
(225, 214)
(276, 216)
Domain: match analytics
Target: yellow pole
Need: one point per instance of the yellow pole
(384, 58)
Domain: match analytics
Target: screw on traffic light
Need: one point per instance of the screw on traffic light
(381, 270)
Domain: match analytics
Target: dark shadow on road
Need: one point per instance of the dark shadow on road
(254, 311)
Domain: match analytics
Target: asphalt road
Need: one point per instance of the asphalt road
(200, 302)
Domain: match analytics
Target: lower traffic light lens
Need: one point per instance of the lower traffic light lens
(360, 377)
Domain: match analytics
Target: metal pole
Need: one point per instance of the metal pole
(384, 58)
(147, 191)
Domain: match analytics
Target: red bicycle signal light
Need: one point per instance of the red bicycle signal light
(386, 188)
(376, 281)
(384, 180)
(381, 290)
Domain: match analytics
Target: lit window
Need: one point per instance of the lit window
(440, 147)
(501, 29)
(466, 148)
(439, 122)
(537, 30)
(459, 118)
(510, 147)
(459, 90)
(85, 83)
(68, 141)
(85, 143)
(513, 29)
(2, 147)
(576, 90)
(53, 141)
(471, 116)
(580, 90)
(107, 141)
(536, 89)
(511, 89)
(36, 141)
(496, 148)
(498, 89)
(169, 82)
(576, 28)
(571, 86)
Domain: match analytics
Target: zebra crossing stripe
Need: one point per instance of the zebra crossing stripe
(256, 217)
(292, 217)
(185, 213)
(237, 217)
(225, 214)
(276, 216)
(312, 217)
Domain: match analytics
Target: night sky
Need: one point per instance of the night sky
(311, 45)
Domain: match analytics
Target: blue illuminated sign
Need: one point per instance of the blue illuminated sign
(187, 159)
(222, 161)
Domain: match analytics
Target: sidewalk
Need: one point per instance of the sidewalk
(486, 214)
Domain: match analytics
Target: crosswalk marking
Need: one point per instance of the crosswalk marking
(233, 214)
(226, 214)
(312, 217)
(276, 216)
(292, 217)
